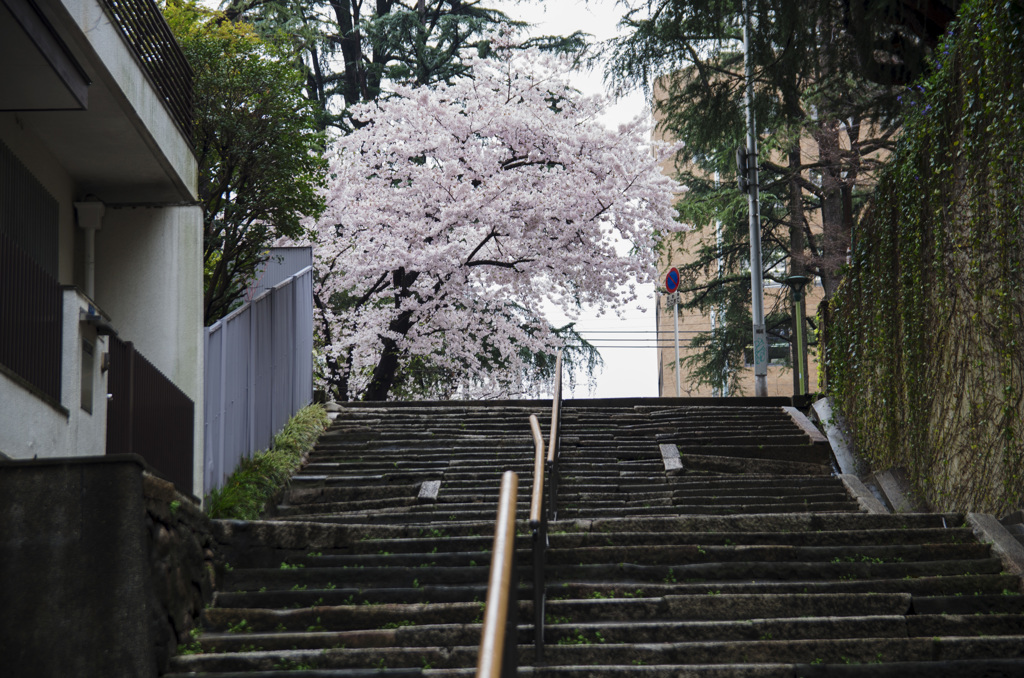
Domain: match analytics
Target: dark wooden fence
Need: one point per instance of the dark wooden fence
(146, 31)
(30, 320)
(149, 416)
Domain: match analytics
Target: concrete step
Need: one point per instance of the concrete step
(474, 521)
(927, 586)
(751, 570)
(751, 562)
(341, 617)
(823, 651)
(355, 596)
(710, 508)
(678, 554)
(833, 651)
(564, 539)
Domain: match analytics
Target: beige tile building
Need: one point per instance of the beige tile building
(780, 378)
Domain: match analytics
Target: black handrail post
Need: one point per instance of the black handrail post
(510, 658)
(553, 477)
(540, 547)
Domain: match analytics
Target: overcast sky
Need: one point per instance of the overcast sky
(628, 371)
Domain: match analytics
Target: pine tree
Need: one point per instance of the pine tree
(827, 111)
(351, 51)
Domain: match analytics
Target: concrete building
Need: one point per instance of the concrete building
(100, 236)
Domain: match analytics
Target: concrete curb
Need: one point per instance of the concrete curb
(859, 491)
(897, 492)
(842, 448)
(988, 530)
(801, 420)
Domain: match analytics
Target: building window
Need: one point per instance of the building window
(88, 373)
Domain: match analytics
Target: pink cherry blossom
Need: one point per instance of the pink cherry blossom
(458, 210)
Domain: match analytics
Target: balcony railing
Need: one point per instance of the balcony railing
(149, 416)
(161, 58)
(30, 320)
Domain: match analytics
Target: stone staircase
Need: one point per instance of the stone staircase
(690, 541)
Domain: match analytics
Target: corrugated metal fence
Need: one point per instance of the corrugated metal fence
(259, 372)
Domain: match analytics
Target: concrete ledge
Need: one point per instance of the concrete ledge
(988, 530)
(429, 491)
(867, 501)
(653, 403)
(896, 491)
(74, 565)
(105, 567)
(842, 448)
(95, 460)
(670, 457)
(801, 420)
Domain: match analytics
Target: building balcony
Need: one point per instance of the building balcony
(107, 89)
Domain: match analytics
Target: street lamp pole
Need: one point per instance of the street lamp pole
(753, 205)
(796, 283)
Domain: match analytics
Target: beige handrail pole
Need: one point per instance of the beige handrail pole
(555, 445)
(556, 407)
(497, 635)
(539, 529)
(537, 500)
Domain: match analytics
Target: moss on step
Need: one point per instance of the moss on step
(257, 480)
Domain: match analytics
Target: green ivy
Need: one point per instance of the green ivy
(924, 350)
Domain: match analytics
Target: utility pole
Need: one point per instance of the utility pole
(747, 159)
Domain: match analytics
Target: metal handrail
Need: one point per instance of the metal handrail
(499, 655)
(556, 408)
(539, 528)
(537, 500)
(500, 620)
(539, 513)
(555, 444)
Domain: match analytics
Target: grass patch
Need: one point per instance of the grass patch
(257, 479)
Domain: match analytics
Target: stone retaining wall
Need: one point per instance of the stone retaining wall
(104, 568)
(182, 554)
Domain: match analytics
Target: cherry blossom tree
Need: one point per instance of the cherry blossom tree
(457, 211)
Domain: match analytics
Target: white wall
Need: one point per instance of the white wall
(34, 155)
(31, 426)
(149, 280)
(148, 260)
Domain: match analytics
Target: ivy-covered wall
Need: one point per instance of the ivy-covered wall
(925, 353)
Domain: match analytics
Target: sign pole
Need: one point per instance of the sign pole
(679, 390)
(672, 287)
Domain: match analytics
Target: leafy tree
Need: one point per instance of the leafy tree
(350, 50)
(260, 156)
(829, 75)
(459, 209)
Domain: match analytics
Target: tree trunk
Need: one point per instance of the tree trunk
(384, 372)
(835, 232)
(383, 378)
(337, 375)
(797, 265)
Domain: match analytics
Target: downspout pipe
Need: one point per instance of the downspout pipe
(90, 219)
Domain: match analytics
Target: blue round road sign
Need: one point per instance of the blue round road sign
(672, 280)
